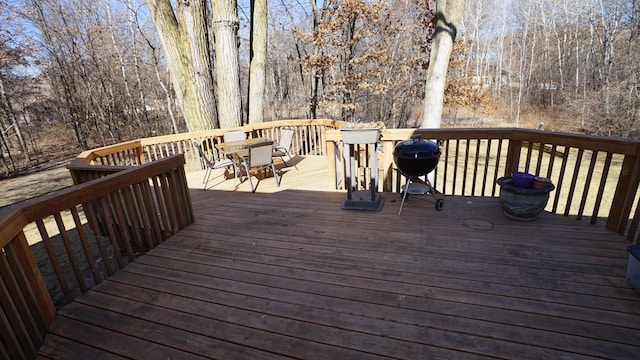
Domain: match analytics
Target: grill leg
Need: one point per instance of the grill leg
(404, 196)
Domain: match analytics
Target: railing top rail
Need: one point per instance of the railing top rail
(246, 128)
(596, 143)
(90, 157)
(86, 157)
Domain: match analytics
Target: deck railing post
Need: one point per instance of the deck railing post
(513, 156)
(624, 196)
(387, 164)
(332, 157)
(139, 154)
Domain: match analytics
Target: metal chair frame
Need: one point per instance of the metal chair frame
(284, 146)
(211, 164)
(260, 158)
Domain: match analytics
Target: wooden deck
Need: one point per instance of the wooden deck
(285, 273)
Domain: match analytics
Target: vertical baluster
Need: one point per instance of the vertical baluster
(475, 168)
(587, 184)
(559, 185)
(455, 167)
(55, 262)
(574, 181)
(466, 166)
(602, 187)
(496, 173)
(446, 166)
(541, 152)
(487, 161)
(108, 223)
(66, 242)
(82, 235)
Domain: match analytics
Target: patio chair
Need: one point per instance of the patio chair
(211, 164)
(260, 159)
(234, 136)
(284, 146)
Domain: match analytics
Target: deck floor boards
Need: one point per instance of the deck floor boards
(286, 273)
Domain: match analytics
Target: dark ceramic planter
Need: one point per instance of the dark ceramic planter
(522, 203)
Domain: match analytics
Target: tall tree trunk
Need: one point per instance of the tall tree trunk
(315, 80)
(3, 144)
(186, 46)
(165, 88)
(348, 97)
(225, 26)
(5, 165)
(448, 17)
(131, 104)
(258, 64)
(142, 105)
(6, 103)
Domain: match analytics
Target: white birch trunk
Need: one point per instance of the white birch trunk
(123, 70)
(257, 71)
(449, 15)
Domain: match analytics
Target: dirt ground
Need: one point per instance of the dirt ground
(43, 181)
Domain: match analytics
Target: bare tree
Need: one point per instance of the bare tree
(5, 103)
(350, 59)
(65, 87)
(362, 60)
(12, 54)
(134, 31)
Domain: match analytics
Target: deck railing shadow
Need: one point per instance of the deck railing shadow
(132, 196)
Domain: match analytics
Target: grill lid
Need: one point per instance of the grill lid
(416, 157)
(416, 148)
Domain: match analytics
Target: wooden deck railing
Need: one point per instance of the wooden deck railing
(595, 177)
(309, 139)
(105, 222)
(83, 234)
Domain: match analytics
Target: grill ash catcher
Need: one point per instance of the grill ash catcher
(415, 158)
(364, 199)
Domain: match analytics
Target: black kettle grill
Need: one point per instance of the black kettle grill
(415, 158)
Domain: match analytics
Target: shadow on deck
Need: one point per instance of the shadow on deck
(285, 273)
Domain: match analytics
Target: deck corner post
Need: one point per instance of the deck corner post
(140, 153)
(332, 152)
(387, 166)
(624, 195)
